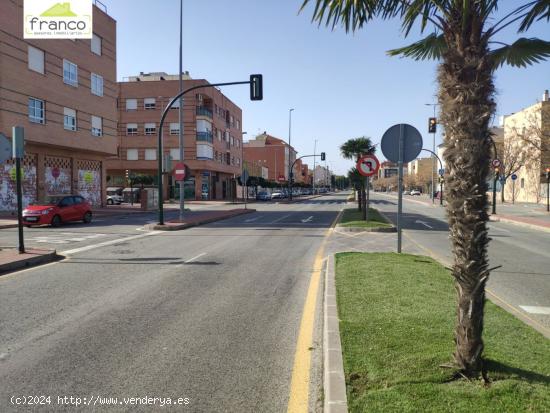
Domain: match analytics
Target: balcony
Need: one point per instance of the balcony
(204, 111)
(205, 137)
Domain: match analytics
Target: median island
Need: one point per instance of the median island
(351, 217)
(397, 316)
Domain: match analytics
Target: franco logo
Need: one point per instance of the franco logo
(47, 19)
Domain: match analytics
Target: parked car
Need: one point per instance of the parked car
(57, 210)
(263, 196)
(406, 192)
(277, 195)
(114, 196)
(415, 192)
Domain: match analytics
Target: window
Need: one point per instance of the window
(131, 129)
(97, 126)
(70, 73)
(131, 104)
(36, 59)
(97, 84)
(232, 141)
(231, 120)
(226, 136)
(174, 128)
(131, 154)
(150, 154)
(36, 110)
(204, 126)
(204, 151)
(522, 183)
(237, 143)
(175, 154)
(219, 135)
(96, 44)
(69, 119)
(150, 128)
(238, 124)
(149, 103)
(176, 104)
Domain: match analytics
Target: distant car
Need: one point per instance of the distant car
(263, 196)
(277, 195)
(114, 196)
(415, 192)
(406, 192)
(57, 210)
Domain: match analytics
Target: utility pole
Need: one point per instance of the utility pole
(434, 128)
(314, 153)
(180, 115)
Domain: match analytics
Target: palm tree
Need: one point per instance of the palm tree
(353, 149)
(463, 37)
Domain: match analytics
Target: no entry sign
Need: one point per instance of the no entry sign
(179, 171)
(368, 165)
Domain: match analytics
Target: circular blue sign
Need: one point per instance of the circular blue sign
(412, 142)
(514, 177)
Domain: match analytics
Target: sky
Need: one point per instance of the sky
(341, 86)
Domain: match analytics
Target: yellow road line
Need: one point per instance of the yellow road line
(299, 385)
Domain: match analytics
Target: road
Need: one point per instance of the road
(523, 281)
(211, 314)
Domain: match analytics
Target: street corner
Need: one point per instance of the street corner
(11, 260)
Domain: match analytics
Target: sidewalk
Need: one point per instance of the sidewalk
(523, 214)
(12, 260)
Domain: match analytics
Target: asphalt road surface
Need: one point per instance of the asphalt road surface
(210, 315)
(523, 281)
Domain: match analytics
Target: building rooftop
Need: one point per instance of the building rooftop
(155, 77)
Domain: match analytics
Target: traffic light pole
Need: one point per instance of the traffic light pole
(440, 167)
(255, 88)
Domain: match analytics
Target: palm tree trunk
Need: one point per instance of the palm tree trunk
(466, 97)
(359, 199)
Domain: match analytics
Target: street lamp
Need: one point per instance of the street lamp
(180, 116)
(314, 157)
(435, 105)
(242, 161)
(289, 155)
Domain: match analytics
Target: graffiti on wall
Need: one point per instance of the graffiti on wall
(89, 186)
(8, 189)
(57, 181)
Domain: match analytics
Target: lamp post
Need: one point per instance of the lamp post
(180, 115)
(289, 154)
(435, 105)
(242, 160)
(314, 157)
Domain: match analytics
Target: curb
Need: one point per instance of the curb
(178, 227)
(9, 226)
(360, 229)
(518, 223)
(335, 400)
(46, 257)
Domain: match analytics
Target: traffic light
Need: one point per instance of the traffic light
(256, 87)
(432, 125)
(323, 157)
(127, 174)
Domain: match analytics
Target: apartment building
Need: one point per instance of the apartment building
(273, 153)
(63, 92)
(212, 135)
(527, 140)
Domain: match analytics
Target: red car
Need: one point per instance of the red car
(58, 209)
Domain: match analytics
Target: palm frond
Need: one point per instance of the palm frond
(523, 52)
(539, 11)
(429, 48)
(351, 14)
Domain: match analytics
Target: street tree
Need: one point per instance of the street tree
(354, 149)
(463, 37)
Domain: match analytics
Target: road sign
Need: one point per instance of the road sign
(495, 163)
(244, 177)
(368, 165)
(179, 171)
(502, 179)
(442, 172)
(514, 177)
(412, 143)
(281, 178)
(5, 148)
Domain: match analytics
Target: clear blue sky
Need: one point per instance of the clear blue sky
(341, 85)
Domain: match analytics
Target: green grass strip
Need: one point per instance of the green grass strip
(397, 315)
(351, 217)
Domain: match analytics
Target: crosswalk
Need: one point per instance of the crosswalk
(65, 237)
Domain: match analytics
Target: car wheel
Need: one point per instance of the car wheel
(56, 221)
(28, 226)
(110, 202)
(87, 217)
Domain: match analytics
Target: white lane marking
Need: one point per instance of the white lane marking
(106, 243)
(65, 238)
(423, 223)
(535, 309)
(253, 219)
(499, 229)
(194, 258)
(307, 219)
(280, 219)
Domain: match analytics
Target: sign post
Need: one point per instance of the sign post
(514, 177)
(367, 166)
(401, 143)
(496, 165)
(18, 136)
(244, 181)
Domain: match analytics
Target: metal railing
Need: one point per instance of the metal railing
(203, 111)
(205, 137)
(100, 5)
